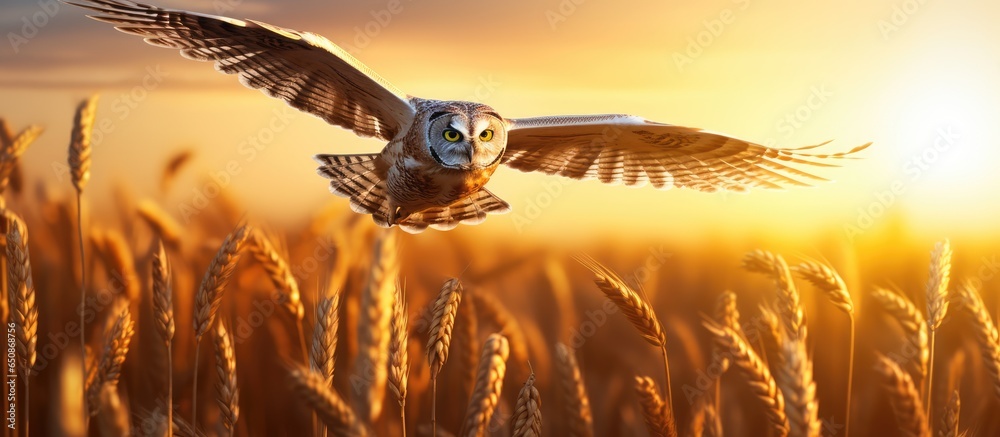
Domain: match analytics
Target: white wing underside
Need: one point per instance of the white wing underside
(627, 149)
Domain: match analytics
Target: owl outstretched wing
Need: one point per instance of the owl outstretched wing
(304, 69)
(630, 150)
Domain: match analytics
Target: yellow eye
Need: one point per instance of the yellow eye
(452, 135)
(486, 135)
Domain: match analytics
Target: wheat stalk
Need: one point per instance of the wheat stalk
(937, 306)
(108, 369)
(829, 281)
(23, 308)
(399, 359)
(755, 372)
(527, 418)
(659, 419)
(161, 222)
(489, 383)
(913, 324)
(439, 341)
(312, 388)
(771, 337)
(163, 316)
(209, 297)
(580, 418)
(949, 420)
(789, 305)
(79, 163)
(985, 330)
(903, 398)
(375, 319)
(226, 386)
(118, 256)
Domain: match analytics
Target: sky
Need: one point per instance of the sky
(916, 78)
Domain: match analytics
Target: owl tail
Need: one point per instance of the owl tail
(470, 210)
(360, 178)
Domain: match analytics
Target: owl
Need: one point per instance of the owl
(439, 155)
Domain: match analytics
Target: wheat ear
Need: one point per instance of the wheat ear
(726, 314)
(439, 342)
(829, 281)
(324, 339)
(914, 326)
(659, 419)
(209, 297)
(21, 301)
(755, 372)
(226, 386)
(399, 358)
(108, 368)
(937, 306)
(489, 384)
(949, 420)
(789, 305)
(635, 309)
(163, 315)
(278, 270)
(795, 379)
(312, 388)
(11, 151)
(373, 337)
(491, 311)
(903, 398)
(165, 227)
(581, 420)
(985, 330)
(79, 163)
(527, 419)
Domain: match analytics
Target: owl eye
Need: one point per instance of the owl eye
(452, 135)
(486, 135)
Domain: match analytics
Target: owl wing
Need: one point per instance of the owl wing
(630, 150)
(304, 69)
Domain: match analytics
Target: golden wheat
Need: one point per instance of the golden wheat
(827, 280)
(949, 420)
(12, 149)
(226, 386)
(914, 326)
(527, 418)
(108, 368)
(399, 358)
(795, 379)
(466, 333)
(209, 295)
(985, 330)
(374, 330)
(578, 414)
(489, 383)
(490, 310)
(79, 146)
(163, 316)
(336, 414)
(21, 297)
(442, 323)
(937, 284)
(160, 222)
(904, 398)
(789, 306)
(324, 340)
(755, 372)
(278, 270)
(659, 419)
(635, 308)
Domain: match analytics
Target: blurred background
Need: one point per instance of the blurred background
(918, 79)
(915, 78)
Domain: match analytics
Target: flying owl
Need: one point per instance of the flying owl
(440, 154)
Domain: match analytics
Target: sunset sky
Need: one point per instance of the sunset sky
(918, 79)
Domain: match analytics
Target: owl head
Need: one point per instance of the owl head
(465, 135)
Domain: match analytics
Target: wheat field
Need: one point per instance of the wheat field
(228, 326)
